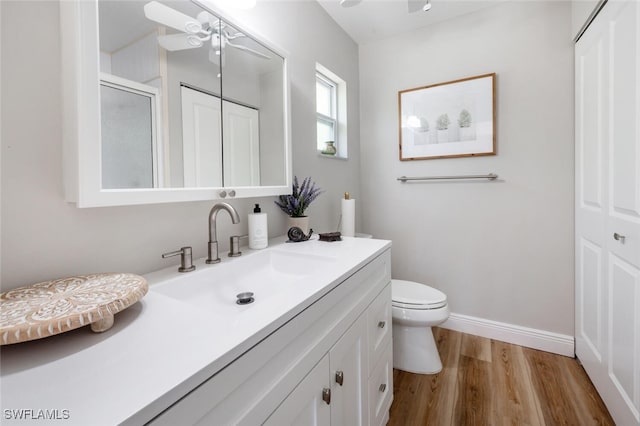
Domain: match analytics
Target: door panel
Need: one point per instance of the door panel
(624, 147)
(590, 291)
(590, 131)
(624, 331)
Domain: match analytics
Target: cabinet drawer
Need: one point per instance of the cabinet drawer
(381, 388)
(379, 325)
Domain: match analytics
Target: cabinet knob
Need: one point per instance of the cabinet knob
(339, 377)
(619, 237)
(223, 194)
(381, 324)
(326, 395)
(232, 193)
(383, 387)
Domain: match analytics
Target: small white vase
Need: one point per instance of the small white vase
(301, 222)
(467, 133)
(443, 136)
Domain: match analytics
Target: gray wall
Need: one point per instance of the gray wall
(43, 237)
(500, 250)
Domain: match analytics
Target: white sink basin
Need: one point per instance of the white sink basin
(267, 274)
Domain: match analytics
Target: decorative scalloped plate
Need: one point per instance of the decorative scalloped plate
(53, 307)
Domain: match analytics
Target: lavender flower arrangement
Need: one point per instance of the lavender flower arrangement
(302, 195)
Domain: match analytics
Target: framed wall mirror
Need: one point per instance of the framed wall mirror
(167, 101)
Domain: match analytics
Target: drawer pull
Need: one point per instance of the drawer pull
(381, 324)
(326, 395)
(339, 377)
(383, 387)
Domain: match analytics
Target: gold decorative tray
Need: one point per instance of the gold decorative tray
(53, 307)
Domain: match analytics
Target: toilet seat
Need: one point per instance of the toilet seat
(415, 296)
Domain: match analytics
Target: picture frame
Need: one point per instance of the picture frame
(447, 120)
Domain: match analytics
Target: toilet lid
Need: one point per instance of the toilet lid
(409, 294)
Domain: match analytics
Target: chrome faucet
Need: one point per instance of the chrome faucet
(213, 236)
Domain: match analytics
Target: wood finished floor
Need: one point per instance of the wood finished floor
(487, 382)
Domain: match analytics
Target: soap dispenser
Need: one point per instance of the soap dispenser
(258, 233)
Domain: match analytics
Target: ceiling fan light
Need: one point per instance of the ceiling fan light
(194, 41)
(192, 27)
(427, 6)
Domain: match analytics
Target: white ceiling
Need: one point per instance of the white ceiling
(372, 20)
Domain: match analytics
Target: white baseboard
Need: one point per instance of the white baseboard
(560, 344)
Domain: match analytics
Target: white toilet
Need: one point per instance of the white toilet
(415, 309)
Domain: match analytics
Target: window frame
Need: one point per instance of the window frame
(338, 121)
(325, 119)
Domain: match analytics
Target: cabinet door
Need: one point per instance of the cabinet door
(347, 360)
(379, 325)
(305, 404)
(381, 388)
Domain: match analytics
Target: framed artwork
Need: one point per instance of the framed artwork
(445, 120)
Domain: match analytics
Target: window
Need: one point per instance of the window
(331, 110)
(326, 110)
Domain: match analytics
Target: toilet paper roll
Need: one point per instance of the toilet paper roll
(348, 217)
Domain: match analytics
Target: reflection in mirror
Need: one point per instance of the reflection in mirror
(211, 98)
(129, 140)
(253, 116)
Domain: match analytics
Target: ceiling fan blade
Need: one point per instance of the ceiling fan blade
(169, 17)
(248, 50)
(349, 3)
(175, 42)
(415, 5)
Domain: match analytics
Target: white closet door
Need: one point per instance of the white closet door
(241, 148)
(608, 207)
(201, 139)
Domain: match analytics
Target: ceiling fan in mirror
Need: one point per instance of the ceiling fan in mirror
(195, 32)
(412, 5)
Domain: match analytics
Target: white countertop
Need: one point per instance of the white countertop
(158, 349)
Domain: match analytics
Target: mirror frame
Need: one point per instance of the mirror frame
(82, 169)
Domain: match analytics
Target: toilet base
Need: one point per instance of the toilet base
(414, 350)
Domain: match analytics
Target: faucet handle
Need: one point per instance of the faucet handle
(186, 259)
(234, 245)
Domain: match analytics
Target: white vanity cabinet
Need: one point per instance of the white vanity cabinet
(330, 364)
